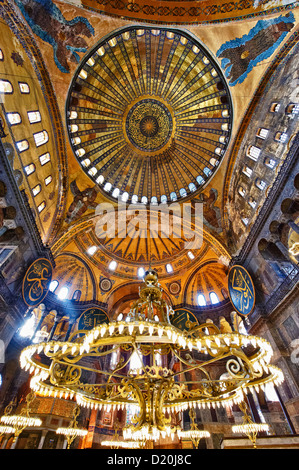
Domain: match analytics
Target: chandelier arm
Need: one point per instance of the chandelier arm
(187, 364)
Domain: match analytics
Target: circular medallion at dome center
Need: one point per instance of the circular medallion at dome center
(149, 125)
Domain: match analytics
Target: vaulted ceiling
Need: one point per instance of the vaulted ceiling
(162, 109)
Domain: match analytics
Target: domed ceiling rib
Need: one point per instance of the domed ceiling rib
(149, 113)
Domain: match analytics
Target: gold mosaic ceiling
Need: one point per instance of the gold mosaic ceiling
(149, 115)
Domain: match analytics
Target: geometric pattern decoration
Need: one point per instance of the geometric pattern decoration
(149, 115)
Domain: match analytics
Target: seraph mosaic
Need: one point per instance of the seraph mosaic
(239, 56)
(65, 36)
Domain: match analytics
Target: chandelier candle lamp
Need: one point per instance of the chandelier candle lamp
(248, 427)
(72, 431)
(16, 423)
(155, 390)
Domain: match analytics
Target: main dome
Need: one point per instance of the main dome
(149, 115)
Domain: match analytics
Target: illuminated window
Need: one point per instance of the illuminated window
(41, 138)
(73, 115)
(5, 253)
(112, 265)
(41, 207)
(115, 192)
(134, 198)
(86, 162)
(24, 87)
(22, 145)
(247, 171)
(207, 171)
(53, 286)
(292, 108)
(107, 187)
(1, 55)
(183, 192)
(214, 161)
(91, 250)
(34, 116)
(36, 190)
(270, 162)
(62, 294)
(144, 200)
(125, 196)
(173, 196)
(163, 199)
(27, 329)
(274, 108)
(214, 298)
(169, 268)
(253, 152)
(154, 200)
(245, 221)
(29, 169)
(5, 87)
(200, 180)
(262, 133)
(281, 137)
(201, 300)
(190, 255)
(241, 191)
(48, 180)
(93, 171)
(76, 295)
(252, 202)
(14, 118)
(100, 178)
(260, 184)
(45, 158)
(192, 187)
(141, 272)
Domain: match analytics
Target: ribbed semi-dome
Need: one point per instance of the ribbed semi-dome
(149, 115)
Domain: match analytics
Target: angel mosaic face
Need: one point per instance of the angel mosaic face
(149, 115)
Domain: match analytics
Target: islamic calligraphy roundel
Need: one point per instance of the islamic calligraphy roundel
(241, 290)
(37, 281)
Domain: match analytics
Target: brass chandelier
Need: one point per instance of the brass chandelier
(224, 366)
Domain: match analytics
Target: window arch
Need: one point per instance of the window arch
(214, 298)
(253, 152)
(22, 145)
(192, 187)
(5, 87)
(173, 196)
(207, 171)
(260, 184)
(76, 295)
(14, 118)
(201, 300)
(262, 133)
(36, 190)
(41, 138)
(169, 268)
(41, 207)
(183, 192)
(200, 180)
(247, 171)
(24, 87)
(53, 285)
(34, 116)
(45, 158)
(29, 169)
(48, 180)
(270, 162)
(63, 293)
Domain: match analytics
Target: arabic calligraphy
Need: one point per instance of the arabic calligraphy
(184, 319)
(241, 290)
(91, 318)
(36, 282)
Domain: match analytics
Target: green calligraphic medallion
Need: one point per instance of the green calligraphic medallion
(183, 319)
(91, 318)
(37, 281)
(241, 290)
